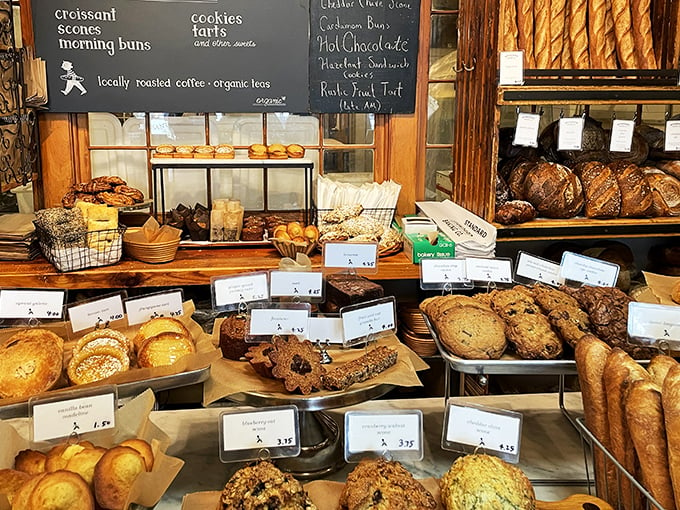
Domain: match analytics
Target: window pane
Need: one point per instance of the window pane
(441, 104)
(129, 165)
(177, 129)
(244, 184)
(444, 4)
(438, 165)
(104, 129)
(345, 128)
(288, 128)
(349, 165)
(235, 128)
(443, 46)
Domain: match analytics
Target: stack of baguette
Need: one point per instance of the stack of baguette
(580, 34)
(635, 413)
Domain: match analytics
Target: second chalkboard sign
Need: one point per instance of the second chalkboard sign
(363, 55)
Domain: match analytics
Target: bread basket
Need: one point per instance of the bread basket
(151, 252)
(289, 248)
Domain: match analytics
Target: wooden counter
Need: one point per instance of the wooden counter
(190, 267)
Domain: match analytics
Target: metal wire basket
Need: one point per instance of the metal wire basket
(382, 215)
(80, 251)
(634, 491)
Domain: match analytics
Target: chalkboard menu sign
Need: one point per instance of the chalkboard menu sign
(174, 55)
(363, 55)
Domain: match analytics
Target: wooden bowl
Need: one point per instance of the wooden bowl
(290, 248)
(153, 253)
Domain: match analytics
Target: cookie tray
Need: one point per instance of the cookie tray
(126, 390)
(507, 365)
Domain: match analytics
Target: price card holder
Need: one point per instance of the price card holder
(495, 272)
(621, 137)
(32, 304)
(531, 269)
(326, 330)
(356, 257)
(470, 428)
(526, 129)
(394, 434)
(511, 68)
(98, 312)
(570, 133)
(231, 293)
(277, 319)
(369, 320)
(672, 136)
(252, 434)
(152, 306)
(73, 413)
(444, 274)
(305, 286)
(654, 325)
(580, 269)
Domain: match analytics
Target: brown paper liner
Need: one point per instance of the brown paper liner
(660, 287)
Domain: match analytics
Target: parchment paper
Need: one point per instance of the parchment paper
(228, 377)
(661, 287)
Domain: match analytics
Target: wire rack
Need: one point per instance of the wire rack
(632, 490)
(89, 249)
(382, 215)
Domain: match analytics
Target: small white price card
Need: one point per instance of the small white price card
(248, 434)
(166, 304)
(32, 303)
(672, 138)
(357, 256)
(230, 291)
(95, 313)
(654, 323)
(326, 330)
(570, 134)
(526, 130)
(621, 135)
(443, 272)
(468, 428)
(489, 270)
(54, 419)
(511, 68)
(296, 284)
(399, 433)
(530, 268)
(588, 270)
(279, 321)
(368, 318)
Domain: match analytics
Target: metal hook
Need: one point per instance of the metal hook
(458, 70)
(472, 67)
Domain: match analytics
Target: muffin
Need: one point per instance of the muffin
(233, 332)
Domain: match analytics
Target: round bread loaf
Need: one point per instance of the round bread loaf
(159, 325)
(472, 333)
(554, 190)
(378, 483)
(31, 362)
(114, 475)
(61, 490)
(481, 482)
(164, 349)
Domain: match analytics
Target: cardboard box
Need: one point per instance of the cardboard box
(418, 246)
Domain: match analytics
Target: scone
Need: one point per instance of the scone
(472, 333)
(482, 482)
(385, 485)
(263, 486)
(298, 365)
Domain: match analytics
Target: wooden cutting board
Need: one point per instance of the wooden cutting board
(575, 502)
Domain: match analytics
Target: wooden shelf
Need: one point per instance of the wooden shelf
(191, 267)
(546, 95)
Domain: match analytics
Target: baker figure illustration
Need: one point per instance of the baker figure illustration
(71, 79)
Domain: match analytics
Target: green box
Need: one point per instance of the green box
(418, 246)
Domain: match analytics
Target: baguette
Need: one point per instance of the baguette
(642, 33)
(578, 33)
(597, 15)
(625, 42)
(567, 62)
(542, 35)
(508, 25)
(609, 38)
(591, 354)
(645, 420)
(557, 26)
(525, 26)
(620, 371)
(659, 366)
(670, 399)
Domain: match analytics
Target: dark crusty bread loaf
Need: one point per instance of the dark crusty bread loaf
(515, 211)
(665, 191)
(620, 370)
(645, 420)
(670, 399)
(554, 190)
(636, 195)
(601, 190)
(591, 355)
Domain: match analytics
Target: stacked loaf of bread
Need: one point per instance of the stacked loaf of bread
(580, 34)
(634, 413)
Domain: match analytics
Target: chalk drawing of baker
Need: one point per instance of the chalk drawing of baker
(71, 79)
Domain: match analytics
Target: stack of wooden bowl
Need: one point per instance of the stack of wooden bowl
(156, 251)
(413, 330)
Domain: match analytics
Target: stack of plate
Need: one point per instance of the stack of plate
(414, 331)
(153, 253)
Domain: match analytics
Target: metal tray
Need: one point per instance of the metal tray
(507, 365)
(126, 390)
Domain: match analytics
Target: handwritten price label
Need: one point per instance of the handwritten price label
(351, 255)
(167, 304)
(96, 313)
(32, 304)
(398, 432)
(57, 419)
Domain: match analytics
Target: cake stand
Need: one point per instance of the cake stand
(321, 449)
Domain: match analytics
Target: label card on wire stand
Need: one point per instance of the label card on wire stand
(271, 319)
(230, 293)
(526, 129)
(443, 274)
(367, 321)
(655, 325)
(152, 306)
(588, 270)
(484, 271)
(252, 434)
(469, 428)
(97, 312)
(530, 269)
(32, 303)
(358, 257)
(621, 135)
(511, 68)
(570, 133)
(394, 434)
(302, 285)
(672, 137)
